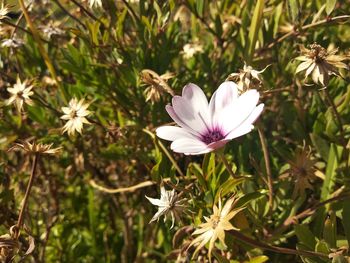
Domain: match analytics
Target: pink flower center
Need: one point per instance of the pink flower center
(212, 136)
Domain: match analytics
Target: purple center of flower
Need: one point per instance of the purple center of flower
(212, 136)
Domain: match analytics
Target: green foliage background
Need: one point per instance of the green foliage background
(100, 56)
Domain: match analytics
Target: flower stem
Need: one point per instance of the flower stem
(340, 125)
(25, 199)
(37, 38)
(293, 32)
(227, 165)
(172, 160)
(256, 243)
(267, 166)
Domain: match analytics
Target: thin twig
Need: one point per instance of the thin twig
(293, 32)
(135, 187)
(267, 166)
(86, 11)
(307, 212)
(69, 14)
(131, 11)
(37, 38)
(227, 165)
(26, 196)
(256, 243)
(340, 125)
(161, 145)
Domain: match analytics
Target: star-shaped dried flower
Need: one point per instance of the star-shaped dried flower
(36, 148)
(320, 63)
(215, 226)
(302, 170)
(169, 203)
(75, 114)
(20, 94)
(247, 78)
(157, 85)
(4, 10)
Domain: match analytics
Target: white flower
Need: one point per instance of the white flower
(215, 226)
(20, 93)
(76, 114)
(50, 30)
(97, 3)
(189, 50)
(12, 42)
(205, 126)
(167, 204)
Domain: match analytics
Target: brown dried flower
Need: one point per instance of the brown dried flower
(247, 78)
(157, 85)
(36, 148)
(320, 63)
(302, 170)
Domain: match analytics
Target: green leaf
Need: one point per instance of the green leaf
(255, 27)
(330, 230)
(294, 10)
(346, 221)
(305, 236)
(200, 7)
(330, 5)
(322, 246)
(332, 165)
(259, 259)
(321, 145)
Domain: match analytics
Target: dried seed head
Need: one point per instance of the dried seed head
(320, 63)
(36, 148)
(156, 85)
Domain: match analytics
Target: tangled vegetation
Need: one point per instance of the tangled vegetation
(174, 131)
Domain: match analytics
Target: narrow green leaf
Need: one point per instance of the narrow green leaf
(330, 5)
(200, 7)
(255, 27)
(293, 8)
(330, 230)
(259, 259)
(332, 165)
(346, 221)
(305, 236)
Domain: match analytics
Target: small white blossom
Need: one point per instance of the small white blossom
(75, 114)
(168, 203)
(190, 49)
(51, 30)
(20, 94)
(12, 42)
(93, 3)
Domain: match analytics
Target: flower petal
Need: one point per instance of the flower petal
(172, 133)
(239, 111)
(222, 99)
(179, 121)
(189, 146)
(193, 117)
(246, 126)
